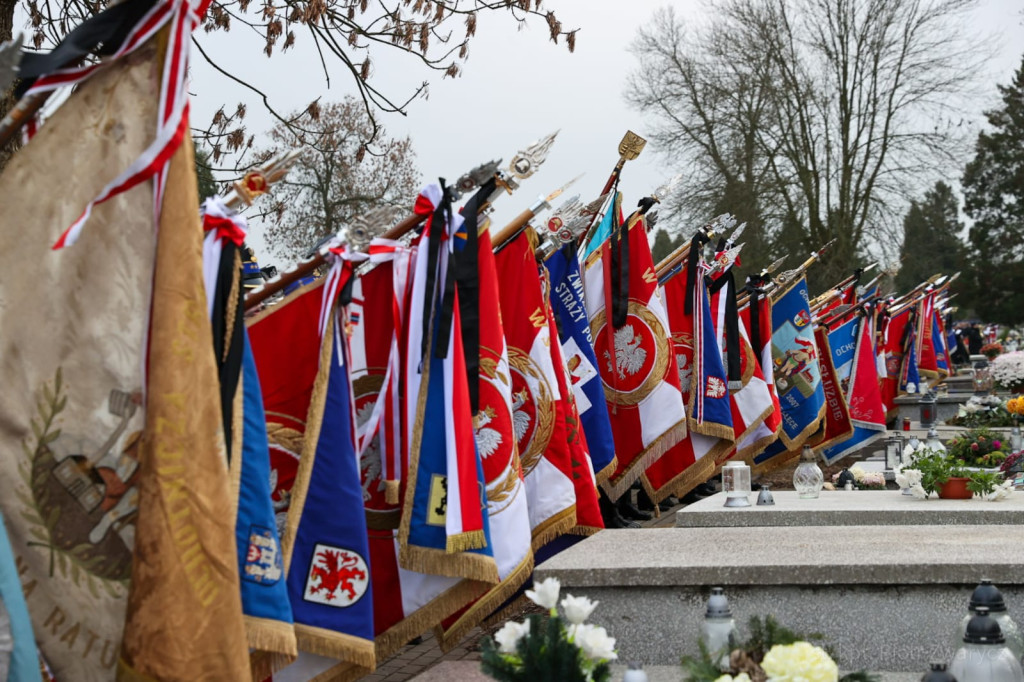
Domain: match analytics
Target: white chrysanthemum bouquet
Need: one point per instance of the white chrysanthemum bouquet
(554, 648)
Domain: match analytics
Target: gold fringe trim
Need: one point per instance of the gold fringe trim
(772, 463)
(553, 526)
(687, 479)
(836, 440)
(476, 613)
(463, 542)
(757, 446)
(126, 673)
(338, 645)
(440, 562)
(661, 445)
(274, 636)
(585, 531)
(606, 473)
(391, 489)
(735, 452)
(251, 320)
(314, 417)
(229, 317)
(441, 607)
(712, 429)
(797, 441)
(235, 465)
(515, 606)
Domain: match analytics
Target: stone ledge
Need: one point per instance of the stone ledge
(795, 556)
(852, 508)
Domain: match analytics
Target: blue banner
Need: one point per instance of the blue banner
(329, 573)
(797, 376)
(710, 408)
(843, 340)
(940, 346)
(604, 228)
(260, 564)
(578, 350)
(24, 663)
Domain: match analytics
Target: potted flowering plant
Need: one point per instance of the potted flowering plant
(551, 647)
(992, 350)
(1008, 371)
(980, 447)
(941, 473)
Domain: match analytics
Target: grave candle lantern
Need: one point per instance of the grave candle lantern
(984, 656)
(736, 484)
(929, 409)
(893, 451)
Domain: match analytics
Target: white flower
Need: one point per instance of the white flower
(545, 594)
(919, 492)
(594, 641)
(901, 481)
(578, 609)
(742, 677)
(509, 635)
(800, 661)
(1002, 491)
(858, 473)
(914, 477)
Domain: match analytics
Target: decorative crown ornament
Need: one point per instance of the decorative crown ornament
(631, 145)
(258, 181)
(10, 58)
(525, 163)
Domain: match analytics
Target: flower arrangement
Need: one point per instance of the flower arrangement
(992, 350)
(979, 447)
(562, 648)
(981, 411)
(772, 654)
(1011, 462)
(1008, 370)
(932, 469)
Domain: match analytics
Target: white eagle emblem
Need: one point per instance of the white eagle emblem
(281, 506)
(715, 388)
(369, 462)
(520, 419)
(487, 440)
(685, 372)
(629, 354)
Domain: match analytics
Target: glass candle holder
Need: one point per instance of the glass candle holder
(736, 484)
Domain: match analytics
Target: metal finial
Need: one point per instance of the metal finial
(525, 163)
(472, 179)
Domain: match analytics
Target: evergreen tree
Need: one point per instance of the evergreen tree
(204, 175)
(931, 241)
(994, 199)
(664, 244)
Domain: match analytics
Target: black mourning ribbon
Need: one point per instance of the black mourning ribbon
(734, 368)
(619, 242)
(101, 35)
(467, 274)
(754, 287)
(228, 353)
(434, 244)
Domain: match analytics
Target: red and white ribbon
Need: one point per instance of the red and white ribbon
(341, 260)
(219, 223)
(172, 119)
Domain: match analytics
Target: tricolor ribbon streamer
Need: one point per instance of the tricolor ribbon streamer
(172, 119)
(341, 260)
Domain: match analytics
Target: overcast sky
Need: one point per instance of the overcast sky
(515, 87)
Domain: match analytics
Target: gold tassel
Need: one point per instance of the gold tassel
(661, 445)
(553, 526)
(354, 650)
(391, 489)
(464, 542)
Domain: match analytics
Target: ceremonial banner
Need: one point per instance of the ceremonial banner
(19, 660)
(927, 358)
(896, 343)
(184, 618)
(942, 361)
(691, 461)
(797, 375)
(588, 510)
(756, 318)
(538, 413)
(444, 528)
(327, 552)
(854, 358)
(286, 347)
(630, 329)
(578, 351)
(268, 613)
(496, 441)
(751, 403)
(837, 426)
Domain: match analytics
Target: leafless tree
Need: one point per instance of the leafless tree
(827, 113)
(345, 33)
(334, 180)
